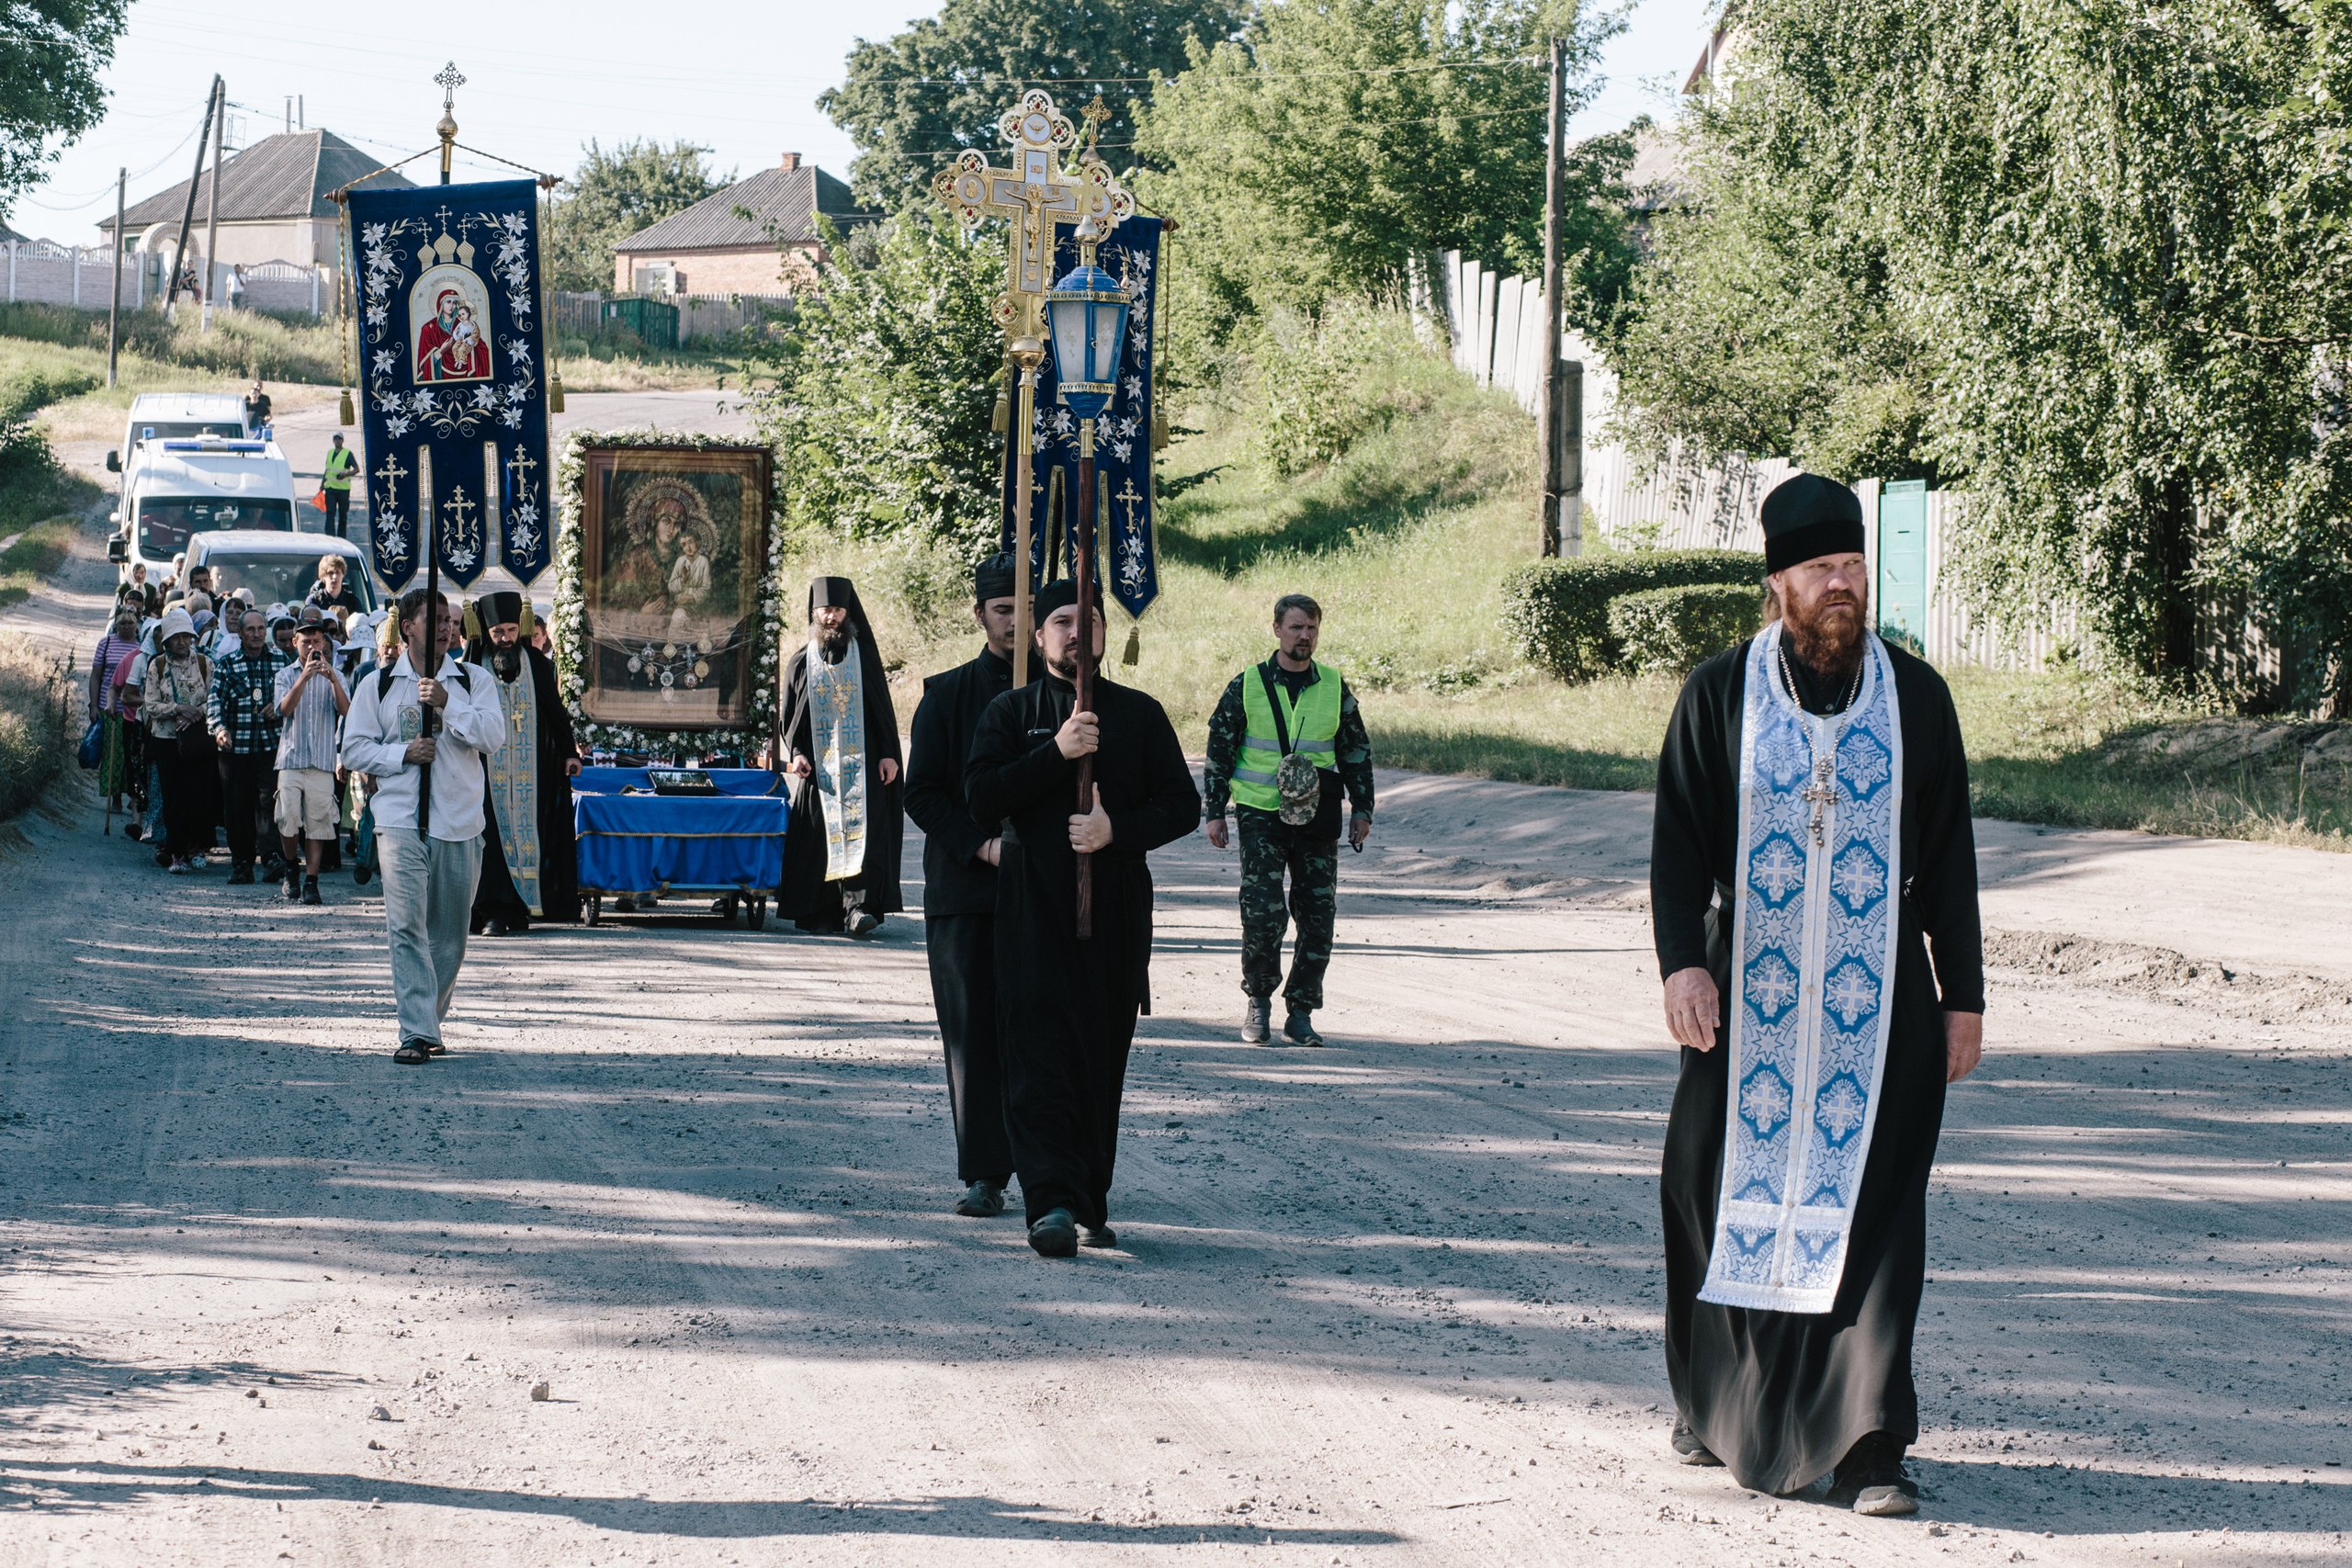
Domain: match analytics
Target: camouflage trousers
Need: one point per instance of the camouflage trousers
(1271, 851)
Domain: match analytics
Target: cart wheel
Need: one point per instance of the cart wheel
(595, 908)
(756, 917)
(725, 908)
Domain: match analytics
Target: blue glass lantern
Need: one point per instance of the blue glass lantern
(1087, 314)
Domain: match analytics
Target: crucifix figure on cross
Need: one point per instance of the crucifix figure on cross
(1039, 195)
(1821, 794)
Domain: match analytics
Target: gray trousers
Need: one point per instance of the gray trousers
(428, 906)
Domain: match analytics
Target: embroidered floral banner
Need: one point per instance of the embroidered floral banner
(455, 420)
(1126, 553)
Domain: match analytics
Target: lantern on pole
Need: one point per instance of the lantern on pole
(1086, 314)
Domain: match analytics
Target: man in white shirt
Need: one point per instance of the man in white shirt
(429, 877)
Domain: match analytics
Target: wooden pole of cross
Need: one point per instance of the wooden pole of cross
(1040, 195)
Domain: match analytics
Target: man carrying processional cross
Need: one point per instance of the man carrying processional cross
(1812, 888)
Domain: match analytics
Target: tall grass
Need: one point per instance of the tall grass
(36, 724)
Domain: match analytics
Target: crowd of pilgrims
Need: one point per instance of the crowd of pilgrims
(217, 725)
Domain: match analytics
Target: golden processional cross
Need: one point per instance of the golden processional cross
(1038, 193)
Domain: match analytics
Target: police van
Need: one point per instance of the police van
(184, 486)
(177, 416)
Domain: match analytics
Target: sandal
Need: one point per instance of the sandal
(413, 1051)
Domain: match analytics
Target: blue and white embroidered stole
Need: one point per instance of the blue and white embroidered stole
(1813, 932)
(514, 786)
(837, 729)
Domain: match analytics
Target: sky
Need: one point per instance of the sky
(543, 79)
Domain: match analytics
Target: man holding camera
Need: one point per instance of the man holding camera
(311, 701)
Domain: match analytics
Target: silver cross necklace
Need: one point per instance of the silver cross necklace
(1822, 791)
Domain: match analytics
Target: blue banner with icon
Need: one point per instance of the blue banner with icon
(1125, 554)
(454, 405)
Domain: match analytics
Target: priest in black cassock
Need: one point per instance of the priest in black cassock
(959, 871)
(1067, 1007)
(1813, 886)
(840, 849)
(530, 864)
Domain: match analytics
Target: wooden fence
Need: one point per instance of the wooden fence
(701, 317)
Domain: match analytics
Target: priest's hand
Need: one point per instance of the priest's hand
(1092, 832)
(1220, 832)
(991, 852)
(1692, 1006)
(1963, 1044)
(571, 767)
(1080, 736)
(801, 766)
(887, 769)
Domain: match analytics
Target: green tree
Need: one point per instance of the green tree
(884, 386)
(1310, 161)
(53, 54)
(613, 195)
(2117, 234)
(912, 101)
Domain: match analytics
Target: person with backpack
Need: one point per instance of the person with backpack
(429, 808)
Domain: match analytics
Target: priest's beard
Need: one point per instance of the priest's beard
(1827, 635)
(506, 663)
(1066, 666)
(832, 644)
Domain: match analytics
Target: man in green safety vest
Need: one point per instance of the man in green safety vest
(334, 486)
(1286, 743)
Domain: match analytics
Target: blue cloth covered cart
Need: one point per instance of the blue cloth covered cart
(635, 844)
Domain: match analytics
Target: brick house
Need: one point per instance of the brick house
(758, 236)
(274, 203)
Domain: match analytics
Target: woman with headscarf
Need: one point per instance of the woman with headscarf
(178, 681)
(840, 851)
(120, 644)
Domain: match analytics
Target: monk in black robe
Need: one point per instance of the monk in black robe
(530, 870)
(1067, 1007)
(959, 875)
(853, 788)
(1784, 1398)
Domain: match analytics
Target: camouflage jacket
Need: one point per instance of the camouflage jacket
(1227, 725)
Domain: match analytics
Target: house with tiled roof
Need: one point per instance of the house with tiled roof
(758, 236)
(274, 203)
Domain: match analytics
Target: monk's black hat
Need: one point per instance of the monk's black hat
(992, 579)
(1809, 516)
(1058, 595)
(498, 609)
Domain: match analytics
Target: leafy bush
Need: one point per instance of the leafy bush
(241, 343)
(1556, 612)
(1670, 631)
(29, 389)
(36, 723)
(1319, 387)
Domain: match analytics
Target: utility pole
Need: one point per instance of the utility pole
(1552, 423)
(212, 208)
(187, 209)
(114, 300)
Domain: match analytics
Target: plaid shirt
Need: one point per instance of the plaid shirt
(243, 701)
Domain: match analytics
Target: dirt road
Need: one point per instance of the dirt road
(269, 1298)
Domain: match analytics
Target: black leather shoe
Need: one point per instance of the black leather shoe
(1100, 1237)
(310, 890)
(1689, 1449)
(1055, 1235)
(981, 1201)
(1870, 1480)
(241, 875)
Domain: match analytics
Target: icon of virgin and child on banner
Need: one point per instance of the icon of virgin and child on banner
(1125, 552)
(454, 407)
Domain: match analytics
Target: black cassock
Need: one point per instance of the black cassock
(495, 896)
(806, 897)
(1067, 1009)
(959, 909)
(1779, 1397)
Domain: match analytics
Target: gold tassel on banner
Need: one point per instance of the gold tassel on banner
(345, 325)
(473, 620)
(1001, 417)
(1134, 653)
(527, 620)
(555, 390)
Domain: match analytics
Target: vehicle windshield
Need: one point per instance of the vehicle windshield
(181, 429)
(280, 579)
(165, 522)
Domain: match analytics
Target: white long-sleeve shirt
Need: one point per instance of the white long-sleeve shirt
(377, 732)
